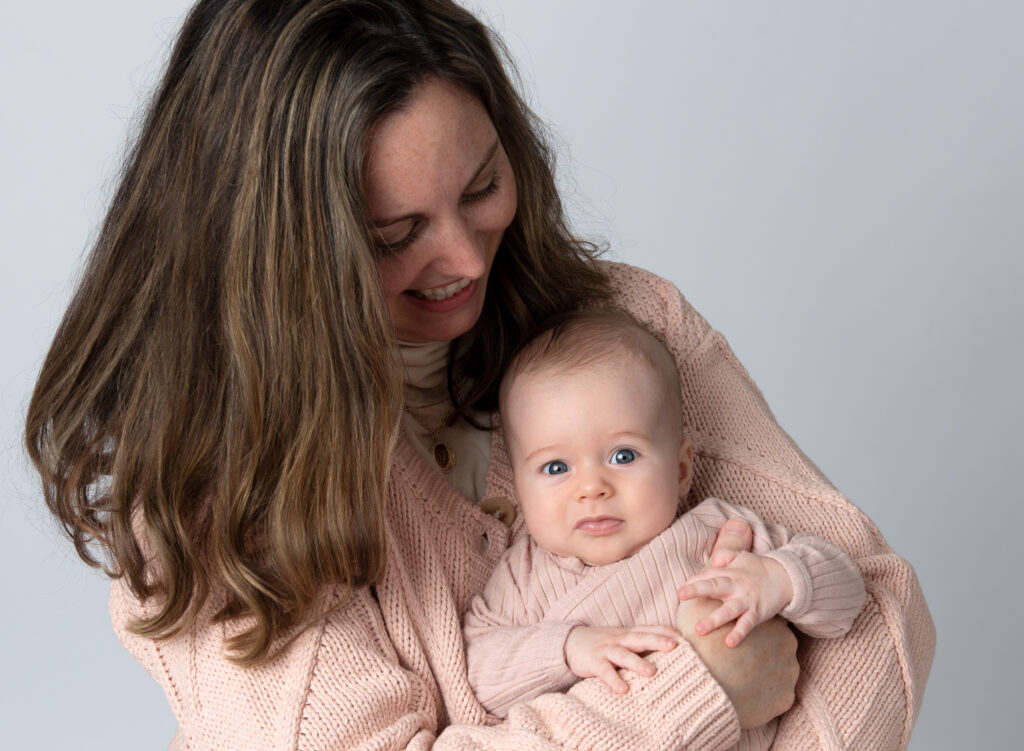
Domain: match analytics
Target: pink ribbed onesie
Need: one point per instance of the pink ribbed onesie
(387, 669)
(516, 630)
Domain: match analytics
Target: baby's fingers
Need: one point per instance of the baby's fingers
(744, 625)
(611, 678)
(624, 658)
(729, 611)
(650, 639)
(718, 587)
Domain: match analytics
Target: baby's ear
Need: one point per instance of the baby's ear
(685, 467)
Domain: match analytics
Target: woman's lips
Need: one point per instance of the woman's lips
(461, 292)
(598, 525)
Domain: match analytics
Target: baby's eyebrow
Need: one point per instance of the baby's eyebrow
(631, 434)
(529, 458)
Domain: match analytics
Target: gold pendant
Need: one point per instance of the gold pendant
(443, 456)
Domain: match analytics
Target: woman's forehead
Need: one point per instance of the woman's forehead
(428, 148)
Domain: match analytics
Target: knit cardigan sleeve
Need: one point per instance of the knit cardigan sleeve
(863, 691)
(342, 685)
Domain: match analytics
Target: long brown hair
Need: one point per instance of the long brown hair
(222, 398)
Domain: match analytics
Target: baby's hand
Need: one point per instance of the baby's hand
(752, 589)
(595, 652)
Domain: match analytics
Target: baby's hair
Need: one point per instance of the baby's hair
(580, 338)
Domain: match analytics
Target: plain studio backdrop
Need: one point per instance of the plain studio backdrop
(838, 187)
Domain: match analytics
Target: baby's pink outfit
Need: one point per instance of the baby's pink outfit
(516, 629)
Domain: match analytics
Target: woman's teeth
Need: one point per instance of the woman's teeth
(441, 293)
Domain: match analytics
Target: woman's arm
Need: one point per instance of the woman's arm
(861, 691)
(342, 685)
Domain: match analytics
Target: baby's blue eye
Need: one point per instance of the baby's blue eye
(555, 468)
(624, 456)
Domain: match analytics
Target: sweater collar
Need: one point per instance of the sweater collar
(424, 367)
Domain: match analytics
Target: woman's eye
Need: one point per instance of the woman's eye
(490, 190)
(555, 468)
(624, 456)
(386, 248)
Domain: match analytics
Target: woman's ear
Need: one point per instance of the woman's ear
(685, 467)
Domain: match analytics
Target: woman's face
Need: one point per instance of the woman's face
(440, 193)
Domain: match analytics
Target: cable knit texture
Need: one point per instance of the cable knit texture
(387, 670)
(516, 630)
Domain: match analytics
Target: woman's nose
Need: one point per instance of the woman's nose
(458, 251)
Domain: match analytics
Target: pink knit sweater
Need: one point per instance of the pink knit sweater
(516, 629)
(388, 671)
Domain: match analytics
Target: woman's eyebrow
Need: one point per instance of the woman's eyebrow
(380, 224)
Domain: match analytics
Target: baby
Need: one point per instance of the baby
(592, 415)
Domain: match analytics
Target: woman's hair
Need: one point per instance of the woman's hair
(221, 400)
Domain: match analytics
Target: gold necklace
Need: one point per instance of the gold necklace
(443, 454)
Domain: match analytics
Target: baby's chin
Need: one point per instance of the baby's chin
(591, 560)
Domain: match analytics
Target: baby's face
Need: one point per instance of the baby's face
(599, 461)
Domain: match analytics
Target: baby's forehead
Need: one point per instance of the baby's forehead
(595, 338)
(615, 354)
(562, 376)
(610, 399)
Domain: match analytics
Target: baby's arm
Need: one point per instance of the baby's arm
(825, 587)
(515, 652)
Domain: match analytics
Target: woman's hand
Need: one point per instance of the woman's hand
(759, 676)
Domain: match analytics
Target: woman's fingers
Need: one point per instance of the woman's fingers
(735, 535)
(723, 557)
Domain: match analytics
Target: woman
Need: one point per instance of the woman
(266, 409)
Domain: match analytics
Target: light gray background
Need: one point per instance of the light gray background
(838, 187)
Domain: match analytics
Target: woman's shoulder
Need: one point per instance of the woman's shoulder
(630, 280)
(658, 303)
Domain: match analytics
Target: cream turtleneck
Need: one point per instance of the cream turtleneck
(426, 397)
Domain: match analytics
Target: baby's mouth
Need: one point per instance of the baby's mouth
(598, 525)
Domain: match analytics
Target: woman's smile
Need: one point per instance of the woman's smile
(443, 292)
